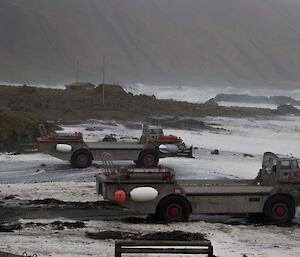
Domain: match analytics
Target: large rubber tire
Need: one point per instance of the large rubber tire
(148, 158)
(279, 209)
(136, 163)
(173, 209)
(81, 159)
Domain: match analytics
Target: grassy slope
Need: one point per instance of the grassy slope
(24, 107)
(17, 128)
(55, 104)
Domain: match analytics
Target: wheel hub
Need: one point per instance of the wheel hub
(149, 159)
(280, 211)
(174, 212)
(82, 159)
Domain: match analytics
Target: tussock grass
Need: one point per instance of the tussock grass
(17, 128)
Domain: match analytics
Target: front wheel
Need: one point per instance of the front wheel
(174, 209)
(148, 158)
(279, 209)
(81, 159)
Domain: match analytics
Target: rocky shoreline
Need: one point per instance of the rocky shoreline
(22, 108)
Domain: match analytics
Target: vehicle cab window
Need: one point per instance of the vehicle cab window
(285, 165)
(295, 164)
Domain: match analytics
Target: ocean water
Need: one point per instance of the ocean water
(202, 94)
(194, 94)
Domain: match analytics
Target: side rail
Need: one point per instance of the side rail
(163, 247)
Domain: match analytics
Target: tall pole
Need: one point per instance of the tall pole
(103, 79)
(77, 71)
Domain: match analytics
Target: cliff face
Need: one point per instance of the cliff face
(155, 41)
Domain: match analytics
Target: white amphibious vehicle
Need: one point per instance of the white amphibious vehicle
(275, 192)
(152, 146)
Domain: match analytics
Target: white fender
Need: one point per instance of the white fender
(143, 194)
(168, 148)
(64, 148)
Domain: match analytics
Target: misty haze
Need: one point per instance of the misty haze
(245, 43)
(169, 122)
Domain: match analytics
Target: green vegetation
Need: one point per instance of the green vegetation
(57, 104)
(17, 128)
(21, 108)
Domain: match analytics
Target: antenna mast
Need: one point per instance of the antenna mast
(77, 71)
(103, 80)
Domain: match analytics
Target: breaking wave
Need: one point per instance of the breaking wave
(202, 94)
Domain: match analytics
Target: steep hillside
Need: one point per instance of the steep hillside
(153, 41)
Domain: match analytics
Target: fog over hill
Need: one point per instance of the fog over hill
(240, 42)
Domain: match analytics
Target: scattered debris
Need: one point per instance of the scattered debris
(46, 201)
(102, 235)
(4, 254)
(59, 225)
(10, 227)
(9, 197)
(170, 236)
(14, 153)
(173, 236)
(216, 151)
(80, 205)
(150, 219)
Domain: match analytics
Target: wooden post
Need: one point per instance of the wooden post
(117, 249)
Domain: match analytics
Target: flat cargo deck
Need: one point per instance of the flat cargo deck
(210, 190)
(211, 187)
(114, 146)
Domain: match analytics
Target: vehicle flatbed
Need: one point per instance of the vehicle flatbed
(114, 145)
(152, 146)
(275, 192)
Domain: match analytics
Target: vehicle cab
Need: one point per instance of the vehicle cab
(279, 169)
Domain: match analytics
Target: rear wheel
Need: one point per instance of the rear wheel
(174, 209)
(280, 209)
(148, 158)
(81, 159)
